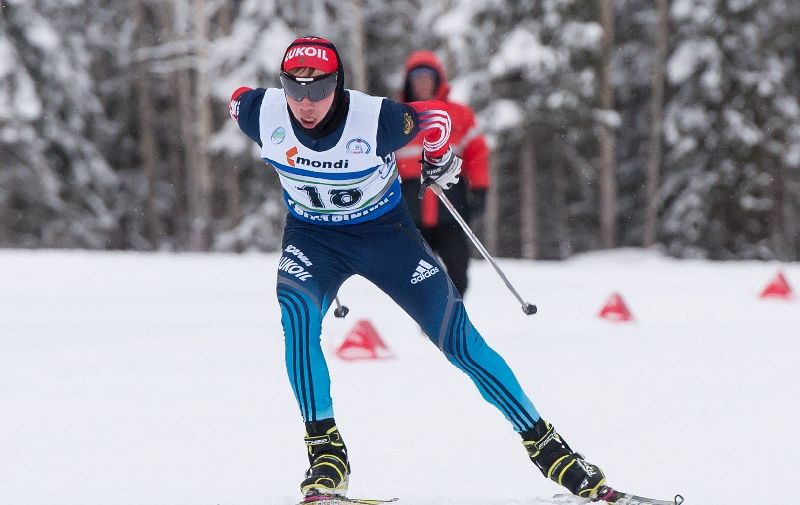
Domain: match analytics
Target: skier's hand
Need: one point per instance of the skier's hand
(233, 105)
(443, 171)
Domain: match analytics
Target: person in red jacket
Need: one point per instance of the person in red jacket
(425, 80)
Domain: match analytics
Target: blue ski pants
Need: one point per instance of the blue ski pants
(389, 252)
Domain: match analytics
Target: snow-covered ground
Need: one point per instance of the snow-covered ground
(141, 379)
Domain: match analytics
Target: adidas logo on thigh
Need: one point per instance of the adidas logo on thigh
(423, 271)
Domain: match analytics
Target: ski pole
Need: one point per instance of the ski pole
(527, 308)
(340, 310)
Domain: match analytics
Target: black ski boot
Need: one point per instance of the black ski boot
(551, 454)
(329, 468)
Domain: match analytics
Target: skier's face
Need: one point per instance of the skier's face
(309, 113)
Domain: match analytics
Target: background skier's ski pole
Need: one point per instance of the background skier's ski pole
(340, 310)
(527, 308)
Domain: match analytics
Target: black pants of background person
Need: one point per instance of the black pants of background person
(450, 243)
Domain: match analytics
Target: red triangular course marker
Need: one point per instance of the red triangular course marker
(363, 342)
(777, 288)
(616, 310)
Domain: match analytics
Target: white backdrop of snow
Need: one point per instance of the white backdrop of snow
(131, 379)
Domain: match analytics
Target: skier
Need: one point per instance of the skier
(425, 80)
(333, 151)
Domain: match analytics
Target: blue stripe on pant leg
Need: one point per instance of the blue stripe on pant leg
(487, 388)
(301, 321)
(299, 360)
(497, 370)
(489, 370)
(298, 311)
(459, 338)
(290, 328)
(295, 333)
(455, 356)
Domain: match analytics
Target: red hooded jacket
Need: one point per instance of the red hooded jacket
(465, 138)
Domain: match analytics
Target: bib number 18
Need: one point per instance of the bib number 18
(342, 198)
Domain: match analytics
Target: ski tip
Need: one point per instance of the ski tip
(678, 499)
(606, 494)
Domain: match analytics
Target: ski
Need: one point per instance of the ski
(606, 494)
(612, 496)
(328, 499)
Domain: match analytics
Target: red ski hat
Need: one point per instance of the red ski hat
(312, 52)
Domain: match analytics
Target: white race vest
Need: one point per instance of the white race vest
(346, 184)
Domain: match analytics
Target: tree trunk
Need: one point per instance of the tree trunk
(146, 136)
(656, 125)
(779, 237)
(608, 187)
(201, 168)
(10, 189)
(791, 211)
(188, 175)
(319, 18)
(178, 157)
(562, 217)
(528, 215)
(233, 193)
(225, 18)
(358, 57)
(187, 119)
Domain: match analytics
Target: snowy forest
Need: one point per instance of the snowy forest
(672, 124)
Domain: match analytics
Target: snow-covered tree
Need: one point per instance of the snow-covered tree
(58, 187)
(731, 130)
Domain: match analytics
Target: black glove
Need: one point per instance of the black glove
(443, 171)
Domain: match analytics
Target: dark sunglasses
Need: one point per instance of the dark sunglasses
(313, 88)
